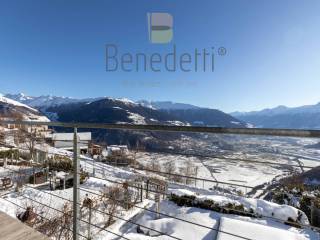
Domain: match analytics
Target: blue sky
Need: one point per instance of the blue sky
(58, 48)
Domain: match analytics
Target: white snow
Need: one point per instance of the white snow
(211, 220)
(137, 118)
(253, 231)
(178, 123)
(123, 100)
(15, 103)
(260, 207)
(217, 169)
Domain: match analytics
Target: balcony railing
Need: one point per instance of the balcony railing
(141, 189)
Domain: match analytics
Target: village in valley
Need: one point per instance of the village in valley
(133, 193)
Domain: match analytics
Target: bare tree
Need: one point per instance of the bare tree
(27, 139)
(30, 141)
(154, 165)
(58, 227)
(190, 170)
(89, 204)
(111, 197)
(2, 138)
(170, 168)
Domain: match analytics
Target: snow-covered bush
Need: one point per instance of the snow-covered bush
(60, 163)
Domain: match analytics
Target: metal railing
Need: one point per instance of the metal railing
(167, 128)
(161, 128)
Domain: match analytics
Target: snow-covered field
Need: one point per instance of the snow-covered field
(263, 232)
(211, 220)
(223, 161)
(216, 169)
(181, 227)
(179, 220)
(187, 223)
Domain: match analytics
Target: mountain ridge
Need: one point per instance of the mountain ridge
(11, 110)
(280, 110)
(177, 113)
(303, 117)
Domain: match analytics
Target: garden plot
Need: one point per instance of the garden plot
(188, 231)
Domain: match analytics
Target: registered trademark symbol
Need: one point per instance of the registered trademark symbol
(222, 51)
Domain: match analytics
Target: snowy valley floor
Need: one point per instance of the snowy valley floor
(180, 224)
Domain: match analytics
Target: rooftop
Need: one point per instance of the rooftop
(13, 229)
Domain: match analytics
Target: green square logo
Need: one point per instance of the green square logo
(160, 27)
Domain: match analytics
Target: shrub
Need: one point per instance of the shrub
(40, 178)
(9, 153)
(60, 163)
(278, 197)
(191, 201)
(185, 200)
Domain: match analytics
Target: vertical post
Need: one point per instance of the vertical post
(47, 172)
(94, 169)
(76, 183)
(89, 225)
(34, 176)
(50, 182)
(147, 190)
(196, 172)
(312, 220)
(157, 199)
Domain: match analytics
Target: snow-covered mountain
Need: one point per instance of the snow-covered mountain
(136, 112)
(110, 110)
(9, 101)
(304, 117)
(167, 105)
(121, 110)
(11, 109)
(43, 102)
(281, 110)
(115, 111)
(195, 115)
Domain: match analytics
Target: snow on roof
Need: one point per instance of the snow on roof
(3, 149)
(35, 118)
(114, 148)
(253, 231)
(61, 174)
(118, 146)
(83, 136)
